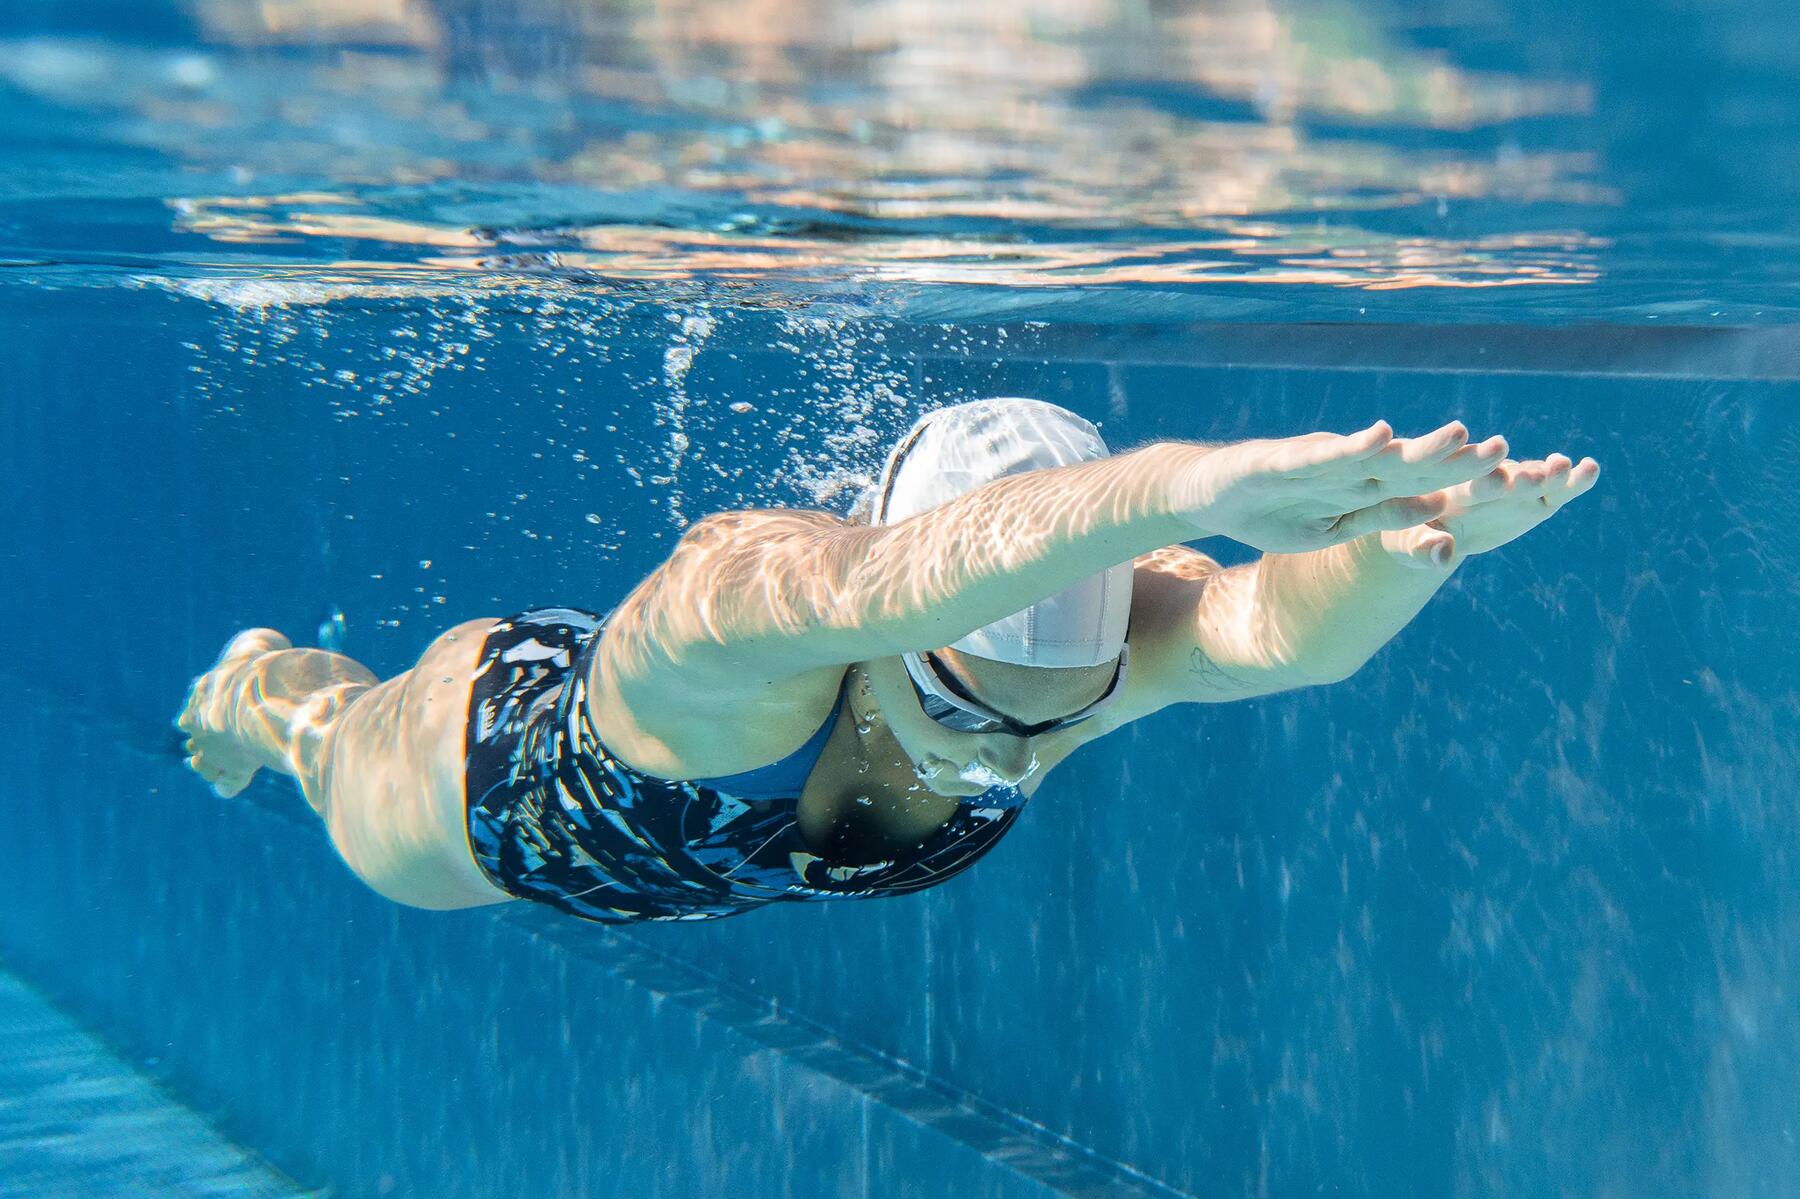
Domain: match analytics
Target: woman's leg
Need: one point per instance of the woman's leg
(381, 762)
(263, 705)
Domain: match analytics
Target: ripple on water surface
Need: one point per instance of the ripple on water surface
(1241, 159)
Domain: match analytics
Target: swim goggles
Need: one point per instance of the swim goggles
(949, 703)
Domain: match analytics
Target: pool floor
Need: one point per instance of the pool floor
(78, 1122)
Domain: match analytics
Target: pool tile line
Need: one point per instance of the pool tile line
(78, 1122)
(1649, 351)
(1003, 1137)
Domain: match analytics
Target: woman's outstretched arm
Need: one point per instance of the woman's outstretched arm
(749, 599)
(1294, 620)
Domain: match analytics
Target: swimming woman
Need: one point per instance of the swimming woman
(795, 706)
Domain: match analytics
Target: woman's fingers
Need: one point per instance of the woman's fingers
(1488, 452)
(1554, 479)
(1395, 459)
(1441, 459)
(1401, 513)
(1492, 485)
(1567, 480)
(1433, 545)
(1374, 464)
(1421, 546)
(1435, 445)
(1310, 456)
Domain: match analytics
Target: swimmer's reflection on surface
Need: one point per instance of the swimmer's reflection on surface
(799, 706)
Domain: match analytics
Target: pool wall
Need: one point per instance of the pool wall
(1511, 912)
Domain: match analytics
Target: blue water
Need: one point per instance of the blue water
(359, 318)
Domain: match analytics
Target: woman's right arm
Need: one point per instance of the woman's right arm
(749, 599)
(769, 594)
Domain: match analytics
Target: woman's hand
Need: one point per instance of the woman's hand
(1305, 493)
(1490, 511)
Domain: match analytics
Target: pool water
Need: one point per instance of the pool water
(359, 318)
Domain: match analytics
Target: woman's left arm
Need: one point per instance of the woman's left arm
(1297, 620)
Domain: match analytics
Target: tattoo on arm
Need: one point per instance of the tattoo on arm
(1204, 668)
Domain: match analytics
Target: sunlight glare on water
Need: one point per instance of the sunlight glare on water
(1225, 158)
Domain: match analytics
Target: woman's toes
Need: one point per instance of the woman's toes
(225, 788)
(189, 719)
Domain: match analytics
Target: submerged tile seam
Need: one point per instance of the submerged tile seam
(1599, 351)
(91, 1110)
(1009, 1139)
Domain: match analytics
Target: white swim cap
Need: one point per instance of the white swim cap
(955, 450)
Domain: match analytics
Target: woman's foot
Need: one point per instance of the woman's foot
(216, 750)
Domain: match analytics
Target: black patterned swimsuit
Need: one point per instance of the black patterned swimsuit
(556, 818)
